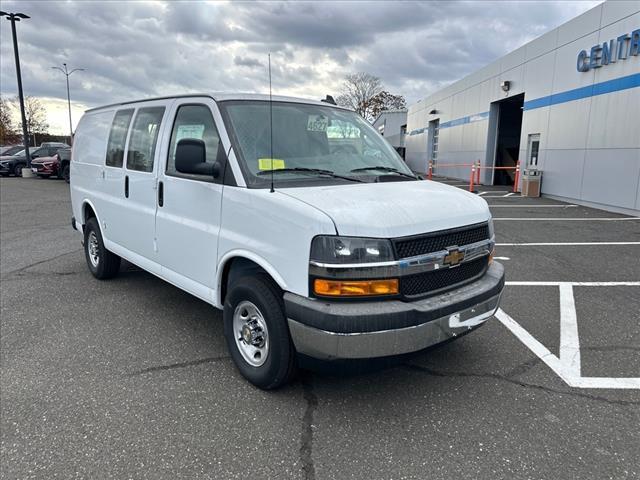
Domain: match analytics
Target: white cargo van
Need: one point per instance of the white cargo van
(293, 216)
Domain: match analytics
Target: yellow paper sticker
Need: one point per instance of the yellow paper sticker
(265, 164)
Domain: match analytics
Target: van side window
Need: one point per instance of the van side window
(194, 121)
(118, 137)
(144, 136)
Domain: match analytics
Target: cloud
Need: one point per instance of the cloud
(142, 49)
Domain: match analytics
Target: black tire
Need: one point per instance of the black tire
(107, 264)
(66, 173)
(17, 169)
(280, 365)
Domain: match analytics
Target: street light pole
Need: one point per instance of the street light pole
(67, 73)
(13, 18)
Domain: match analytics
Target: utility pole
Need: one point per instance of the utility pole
(66, 72)
(13, 18)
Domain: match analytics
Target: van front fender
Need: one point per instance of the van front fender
(251, 256)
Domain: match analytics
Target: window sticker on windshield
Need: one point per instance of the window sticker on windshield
(317, 123)
(265, 164)
(190, 131)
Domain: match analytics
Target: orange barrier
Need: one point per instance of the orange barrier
(475, 175)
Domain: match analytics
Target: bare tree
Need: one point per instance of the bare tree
(8, 134)
(386, 101)
(36, 115)
(357, 91)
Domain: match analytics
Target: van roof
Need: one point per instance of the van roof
(220, 97)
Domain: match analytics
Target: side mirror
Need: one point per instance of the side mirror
(191, 156)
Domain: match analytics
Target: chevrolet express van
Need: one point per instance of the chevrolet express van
(294, 217)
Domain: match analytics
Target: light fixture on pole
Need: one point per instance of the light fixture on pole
(66, 72)
(13, 18)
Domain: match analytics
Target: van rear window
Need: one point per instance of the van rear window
(118, 137)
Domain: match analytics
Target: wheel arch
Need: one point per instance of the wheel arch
(88, 211)
(237, 262)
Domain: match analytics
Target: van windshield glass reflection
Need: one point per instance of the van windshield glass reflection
(309, 142)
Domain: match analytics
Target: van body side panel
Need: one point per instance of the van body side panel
(274, 227)
(87, 163)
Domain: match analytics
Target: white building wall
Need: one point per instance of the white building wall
(589, 147)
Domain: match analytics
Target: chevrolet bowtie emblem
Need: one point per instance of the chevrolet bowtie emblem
(454, 257)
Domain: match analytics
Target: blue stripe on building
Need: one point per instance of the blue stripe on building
(602, 88)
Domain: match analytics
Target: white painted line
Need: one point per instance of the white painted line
(509, 194)
(569, 342)
(500, 196)
(501, 258)
(532, 206)
(575, 284)
(562, 244)
(531, 343)
(606, 382)
(558, 367)
(559, 219)
(481, 193)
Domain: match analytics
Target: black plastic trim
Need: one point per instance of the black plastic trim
(372, 316)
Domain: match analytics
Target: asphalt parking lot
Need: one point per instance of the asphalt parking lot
(131, 378)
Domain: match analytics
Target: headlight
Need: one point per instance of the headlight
(345, 250)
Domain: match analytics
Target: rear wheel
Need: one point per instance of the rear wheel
(101, 262)
(257, 334)
(65, 173)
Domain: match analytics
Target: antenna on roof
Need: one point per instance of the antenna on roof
(270, 125)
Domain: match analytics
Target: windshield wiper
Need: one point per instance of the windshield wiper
(382, 168)
(319, 171)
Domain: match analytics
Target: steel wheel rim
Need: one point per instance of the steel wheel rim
(250, 333)
(93, 249)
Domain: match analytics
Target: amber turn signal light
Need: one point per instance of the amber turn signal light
(355, 288)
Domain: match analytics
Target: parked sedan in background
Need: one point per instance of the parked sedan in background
(7, 150)
(45, 167)
(13, 164)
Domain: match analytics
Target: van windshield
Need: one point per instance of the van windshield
(311, 143)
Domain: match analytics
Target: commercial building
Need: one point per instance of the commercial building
(392, 125)
(567, 103)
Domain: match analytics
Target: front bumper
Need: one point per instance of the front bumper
(335, 330)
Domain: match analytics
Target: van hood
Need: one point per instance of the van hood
(394, 209)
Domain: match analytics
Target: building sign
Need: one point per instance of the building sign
(621, 48)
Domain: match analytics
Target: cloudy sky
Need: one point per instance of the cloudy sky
(139, 49)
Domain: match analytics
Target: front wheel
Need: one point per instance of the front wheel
(256, 331)
(101, 262)
(17, 170)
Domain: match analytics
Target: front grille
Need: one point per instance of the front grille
(434, 242)
(431, 282)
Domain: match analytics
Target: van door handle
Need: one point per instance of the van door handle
(126, 186)
(160, 194)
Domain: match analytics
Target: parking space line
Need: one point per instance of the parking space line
(560, 219)
(531, 206)
(509, 194)
(563, 244)
(569, 343)
(567, 366)
(575, 284)
(481, 193)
